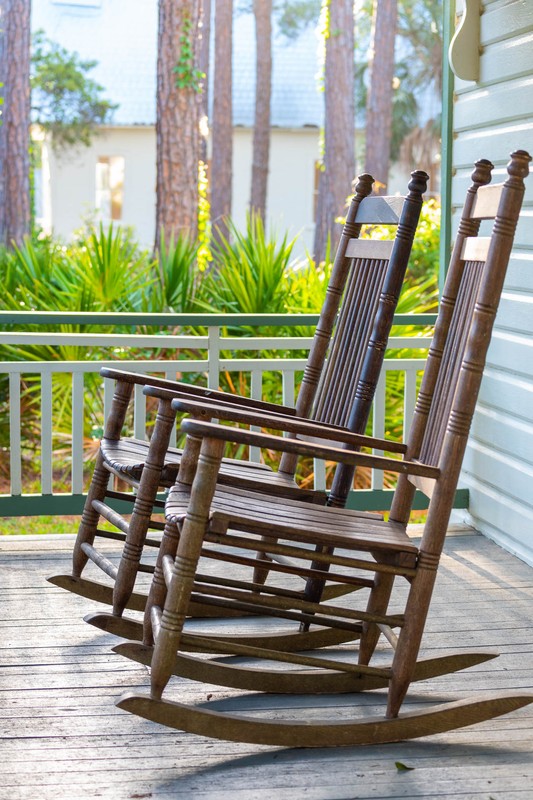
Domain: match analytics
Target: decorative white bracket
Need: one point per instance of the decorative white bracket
(463, 54)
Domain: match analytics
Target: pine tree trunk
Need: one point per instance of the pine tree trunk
(222, 125)
(380, 93)
(15, 214)
(339, 129)
(177, 125)
(263, 91)
(204, 67)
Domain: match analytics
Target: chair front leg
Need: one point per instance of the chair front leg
(185, 566)
(143, 507)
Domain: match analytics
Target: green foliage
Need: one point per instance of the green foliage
(65, 101)
(424, 261)
(116, 274)
(187, 76)
(296, 16)
(249, 271)
(176, 284)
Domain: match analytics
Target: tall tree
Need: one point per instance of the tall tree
(380, 93)
(179, 84)
(222, 123)
(204, 67)
(263, 91)
(66, 102)
(339, 128)
(15, 127)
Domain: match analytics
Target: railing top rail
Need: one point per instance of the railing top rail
(202, 320)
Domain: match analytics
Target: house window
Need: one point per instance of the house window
(110, 187)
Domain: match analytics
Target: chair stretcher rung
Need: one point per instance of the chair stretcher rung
(274, 566)
(249, 585)
(297, 616)
(211, 644)
(110, 515)
(270, 602)
(121, 537)
(100, 560)
(389, 635)
(300, 552)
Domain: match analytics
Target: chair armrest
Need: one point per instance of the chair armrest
(187, 389)
(327, 452)
(304, 429)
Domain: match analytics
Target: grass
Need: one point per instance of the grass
(14, 526)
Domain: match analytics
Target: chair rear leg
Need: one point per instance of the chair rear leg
(98, 489)
(89, 519)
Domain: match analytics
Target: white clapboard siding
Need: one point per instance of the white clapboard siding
(491, 118)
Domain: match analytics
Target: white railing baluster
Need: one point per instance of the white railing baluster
(256, 393)
(172, 376)
(378, 426)
(319, 469)
(77, 431)
(288, 387)
(46, 431)
(409, 399)
(213, 374)
(139, 412)
(109, 390)
(15, 447)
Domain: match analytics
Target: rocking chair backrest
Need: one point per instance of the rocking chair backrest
(451, 382)
(365, 283)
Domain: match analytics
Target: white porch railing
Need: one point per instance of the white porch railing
(215, 353)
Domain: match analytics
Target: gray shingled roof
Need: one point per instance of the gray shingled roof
(122, 36)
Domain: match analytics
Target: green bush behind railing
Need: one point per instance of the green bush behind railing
(104, 271)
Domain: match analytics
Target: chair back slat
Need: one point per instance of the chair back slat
(487, 202)
(381, 210)
(348, 348)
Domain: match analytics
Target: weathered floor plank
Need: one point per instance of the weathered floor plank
(62, 737)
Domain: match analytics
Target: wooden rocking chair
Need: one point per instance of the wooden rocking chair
(314, 589)
(207, 512)
(367, 276)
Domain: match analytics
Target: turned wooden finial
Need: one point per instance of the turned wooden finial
(418, 183)
(518, 166)
(363, 184)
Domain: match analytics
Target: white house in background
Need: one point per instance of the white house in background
(115, 177)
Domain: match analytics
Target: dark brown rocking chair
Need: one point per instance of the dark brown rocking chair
(367, 276)
(207, 512)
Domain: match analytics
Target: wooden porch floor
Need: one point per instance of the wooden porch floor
(62, 737)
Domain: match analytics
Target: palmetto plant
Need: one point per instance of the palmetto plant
(249, 271)
(177, 274)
